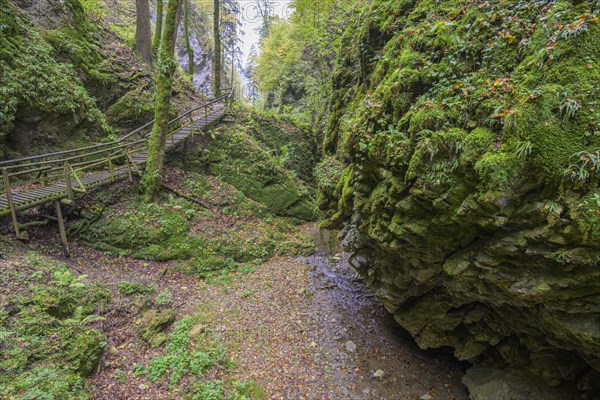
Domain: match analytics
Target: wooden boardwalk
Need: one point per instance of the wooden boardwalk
(35, 197)
(58, 177)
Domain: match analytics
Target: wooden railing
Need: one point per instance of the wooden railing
(43, 176)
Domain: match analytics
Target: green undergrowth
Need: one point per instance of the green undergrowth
(191, 353)
(233, 233)
(251, 155)
(47, 335)
(119, 16)
(32, 77)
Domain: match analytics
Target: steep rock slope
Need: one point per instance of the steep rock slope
(69, 77)
(452, 140)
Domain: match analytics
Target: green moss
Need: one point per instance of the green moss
(478, 142)
(48, 345)
(151, 324)
(238, 160)
(146, 231)
(33, 78)
(82, 52)
(135, 105)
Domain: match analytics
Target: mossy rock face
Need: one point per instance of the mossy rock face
(235, 157)
(39, 90)
(151, 324)
(454, 196)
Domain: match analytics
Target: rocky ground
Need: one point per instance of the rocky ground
(301, 328)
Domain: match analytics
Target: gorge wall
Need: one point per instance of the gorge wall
(69, 75)
(451, 173)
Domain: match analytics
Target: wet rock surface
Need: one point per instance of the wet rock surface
(373, 358)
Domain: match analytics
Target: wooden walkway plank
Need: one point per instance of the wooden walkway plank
(56, 192)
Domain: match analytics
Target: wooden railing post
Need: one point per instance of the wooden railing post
(110, 168)
(11, 205)
(62, 230)
(129, 171)
(68, 184)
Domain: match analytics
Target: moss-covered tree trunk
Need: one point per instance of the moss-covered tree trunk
(217, 35)
(164, 82)
(143, 34)
(186, 29)
(159, 24)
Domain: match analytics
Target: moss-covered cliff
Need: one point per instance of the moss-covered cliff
(68, 78)
(42, 96)
(452, 140)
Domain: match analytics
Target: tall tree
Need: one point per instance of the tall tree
(159, 24)
(265, 10)
(186, 33)
(142, 31)
(217, 54)
(152, 179)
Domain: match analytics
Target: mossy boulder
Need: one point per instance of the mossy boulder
(235, 157)
(151, 324)
(48, 333)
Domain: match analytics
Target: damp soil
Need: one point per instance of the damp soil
(302, 328)
(372, 357)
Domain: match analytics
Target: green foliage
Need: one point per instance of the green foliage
(294, 65)
(33, 78)
(438, 92)
(134, 288)
(588, 165)
(47, 341)
(193, 357)
(164, 297)
(328, 173)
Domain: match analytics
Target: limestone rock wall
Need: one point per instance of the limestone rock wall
(468, 193)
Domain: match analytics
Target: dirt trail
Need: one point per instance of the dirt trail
(303, 328)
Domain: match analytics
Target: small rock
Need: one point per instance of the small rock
(350, 346)
(141, 386)
(300, 291)
(379, 374)
(426, 397)
(313, 344)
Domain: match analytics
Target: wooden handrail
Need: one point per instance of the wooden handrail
(11, 163)
(59, 166)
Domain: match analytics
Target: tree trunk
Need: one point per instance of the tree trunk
(142, 31)
(159, 24)
(152, 179)
(217, 34)
(186, 32)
